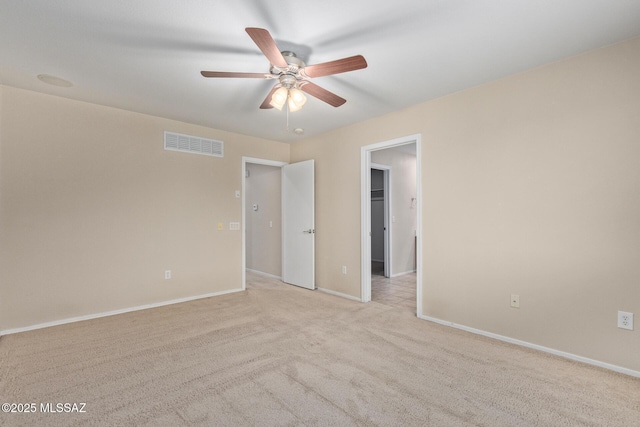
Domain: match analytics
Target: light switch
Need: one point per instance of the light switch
(220, 226)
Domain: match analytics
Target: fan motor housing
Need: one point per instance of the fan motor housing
(288, 80)
(292, 60)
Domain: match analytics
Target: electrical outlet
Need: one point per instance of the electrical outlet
(344, 269)
(515, 301)
(625, 320)
(167, 274)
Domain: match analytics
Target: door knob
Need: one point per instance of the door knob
(309, 231)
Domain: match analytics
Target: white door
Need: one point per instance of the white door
(298, 224)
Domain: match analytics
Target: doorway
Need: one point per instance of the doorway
(291, 188)
(261, 218)
(407, 262)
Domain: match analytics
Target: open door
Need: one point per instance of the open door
(298, 224)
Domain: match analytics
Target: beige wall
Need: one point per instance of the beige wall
(263, 187)
(403, 189)
(93, 210)
(531, 186)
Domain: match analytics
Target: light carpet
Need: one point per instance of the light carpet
(283, 356)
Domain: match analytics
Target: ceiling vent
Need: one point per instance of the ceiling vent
(193, 144)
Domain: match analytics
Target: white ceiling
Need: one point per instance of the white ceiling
(146, 55)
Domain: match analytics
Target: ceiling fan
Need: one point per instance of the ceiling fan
(293, 74)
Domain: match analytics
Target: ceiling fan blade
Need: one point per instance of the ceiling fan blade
(266, 104)
(338, 66)
(237, 75)
(322, 94)
(267, 45)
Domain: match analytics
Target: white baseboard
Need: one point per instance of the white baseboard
(113, 313)
(262, 273)
(339, 294)
(560, 353)
(402, 274)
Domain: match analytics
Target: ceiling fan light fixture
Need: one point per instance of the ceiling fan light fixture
(279, 98)
(296, 99)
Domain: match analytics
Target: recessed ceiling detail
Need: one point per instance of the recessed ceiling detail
(54, 81)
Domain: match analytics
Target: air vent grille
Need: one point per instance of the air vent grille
(193, 144)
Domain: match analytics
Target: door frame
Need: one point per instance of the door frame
(257, 161)
(386, 187)
(365, 219)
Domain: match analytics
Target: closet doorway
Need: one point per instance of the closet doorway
(380, 226)
(400, 285)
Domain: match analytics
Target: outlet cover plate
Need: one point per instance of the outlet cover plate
(625, 320)
(515, 301)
